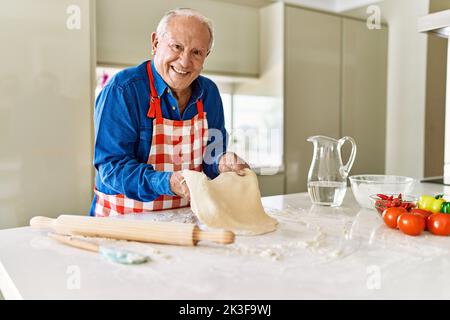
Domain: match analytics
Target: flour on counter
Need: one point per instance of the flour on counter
(316, 244)
(301, 233)
(279, 251)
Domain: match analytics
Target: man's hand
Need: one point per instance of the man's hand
(231, 162)
(179, 186)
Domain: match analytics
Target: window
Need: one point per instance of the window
(255, 125)
(257, 133)
(227, 109)
(103, 75)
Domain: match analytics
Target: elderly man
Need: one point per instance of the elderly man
(158, 118)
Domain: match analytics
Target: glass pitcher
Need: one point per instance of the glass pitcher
(327, 177)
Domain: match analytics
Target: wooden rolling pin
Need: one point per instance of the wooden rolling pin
(145, 231)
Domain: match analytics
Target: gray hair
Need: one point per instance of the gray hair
(186, 12)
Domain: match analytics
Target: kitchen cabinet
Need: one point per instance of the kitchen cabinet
(312, 87)
(364, 87)
(437, 106)
(335, 85)
(124, 30)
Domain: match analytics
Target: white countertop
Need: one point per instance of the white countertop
(316, 253)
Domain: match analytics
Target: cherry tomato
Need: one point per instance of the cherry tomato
(390, 216)
(439, 224)
(423, 213)
(411, 224)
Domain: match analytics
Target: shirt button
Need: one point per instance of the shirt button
(173, 108)
(168, 90)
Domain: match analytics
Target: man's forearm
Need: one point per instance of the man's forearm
(135, 180)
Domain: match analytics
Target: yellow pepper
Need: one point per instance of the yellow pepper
(429, 203)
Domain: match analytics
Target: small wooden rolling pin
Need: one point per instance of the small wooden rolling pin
(144, 231)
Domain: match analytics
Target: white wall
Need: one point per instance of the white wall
(406, 93)
(45, 110)
(124, 28)
(407, 61)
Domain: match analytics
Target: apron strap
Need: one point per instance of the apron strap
(200, 109)
(154, 110)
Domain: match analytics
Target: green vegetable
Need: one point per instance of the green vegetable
(445, 207)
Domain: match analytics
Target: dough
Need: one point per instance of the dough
(229, 202)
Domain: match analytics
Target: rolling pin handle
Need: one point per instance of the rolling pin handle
(219, 236)
(42, 222)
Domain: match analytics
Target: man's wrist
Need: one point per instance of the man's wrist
(162, 185)
(170, 192)
(217, 163)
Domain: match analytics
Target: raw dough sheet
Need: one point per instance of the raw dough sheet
(229, 202)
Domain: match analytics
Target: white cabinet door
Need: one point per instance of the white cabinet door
(45, 109)
(364, 93)
(312, 92)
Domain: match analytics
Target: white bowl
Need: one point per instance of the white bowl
(368, 184)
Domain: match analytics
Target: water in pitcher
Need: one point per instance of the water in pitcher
(327, 193)
(327, 176)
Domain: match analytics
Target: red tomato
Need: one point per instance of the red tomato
(423, 213)
(439, 224)
(390, 216)
(411, 224)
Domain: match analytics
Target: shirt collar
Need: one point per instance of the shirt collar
(162, 87)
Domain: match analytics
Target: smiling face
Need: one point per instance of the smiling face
(181, 51)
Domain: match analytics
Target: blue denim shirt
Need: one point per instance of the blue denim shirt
(123, 132)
